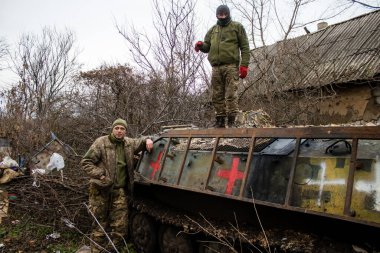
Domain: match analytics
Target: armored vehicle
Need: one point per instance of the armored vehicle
(306, 189)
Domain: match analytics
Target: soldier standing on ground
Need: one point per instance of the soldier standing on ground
(228, 53)
(109, 164)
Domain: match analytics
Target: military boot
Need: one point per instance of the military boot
(231, 121)
(219, 122)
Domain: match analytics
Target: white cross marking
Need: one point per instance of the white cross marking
(372, 186)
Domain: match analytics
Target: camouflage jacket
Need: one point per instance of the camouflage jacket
(100, 159)
(224, 44)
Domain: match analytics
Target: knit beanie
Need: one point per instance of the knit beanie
(223, 9)
(120, 122)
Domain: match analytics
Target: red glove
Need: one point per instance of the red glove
(198, 46)
(243, 71)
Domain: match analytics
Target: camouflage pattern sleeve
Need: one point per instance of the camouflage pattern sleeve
(90, 160)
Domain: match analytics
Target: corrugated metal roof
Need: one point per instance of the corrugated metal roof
(340, 53)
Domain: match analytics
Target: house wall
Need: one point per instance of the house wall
(350, 105)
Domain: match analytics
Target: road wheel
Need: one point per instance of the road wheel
(143, 232)
(172, 241)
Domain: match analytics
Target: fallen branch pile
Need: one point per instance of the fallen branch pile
(46, 200)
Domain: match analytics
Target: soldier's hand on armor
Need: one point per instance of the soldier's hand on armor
(198, 46)
(243, 71)
(149, 145)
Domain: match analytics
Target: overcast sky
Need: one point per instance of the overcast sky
(93, 22)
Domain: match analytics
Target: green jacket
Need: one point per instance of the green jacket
(225, 44)
(100, 159)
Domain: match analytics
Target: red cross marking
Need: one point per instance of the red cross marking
(155, 165)
(232, 175)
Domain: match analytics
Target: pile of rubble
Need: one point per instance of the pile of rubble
(258, 118)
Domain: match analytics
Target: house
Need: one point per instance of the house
(328, 76)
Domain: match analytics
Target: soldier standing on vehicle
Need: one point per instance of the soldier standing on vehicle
(228, 53)
(109, 164)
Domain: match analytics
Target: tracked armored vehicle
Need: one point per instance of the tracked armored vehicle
(310, 189)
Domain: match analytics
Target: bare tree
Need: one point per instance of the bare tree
(111, 92)
(3, 51)
(45, 64)
(366, 4)
(168, 56)
(269, 21)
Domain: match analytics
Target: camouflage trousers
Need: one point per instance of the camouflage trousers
(109, 206)
(224, 82)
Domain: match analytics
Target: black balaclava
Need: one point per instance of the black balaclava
(223, 9)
